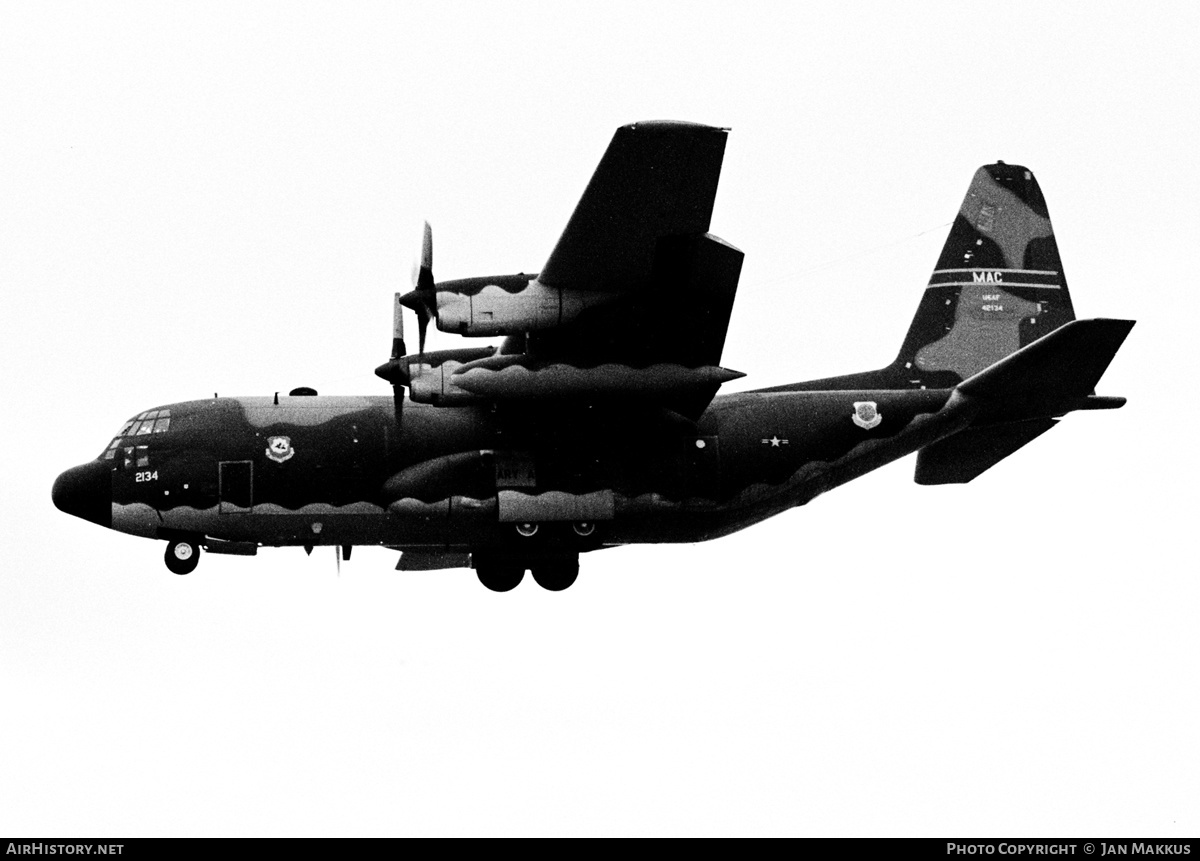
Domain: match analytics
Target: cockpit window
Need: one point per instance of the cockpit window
(151, 421)
(139, 454)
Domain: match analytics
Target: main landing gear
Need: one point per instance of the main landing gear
(553, 573)
(500, 576)
(549, 550)
(183, 555)
(556, 575)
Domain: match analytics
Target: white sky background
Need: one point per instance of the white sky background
(220, 198)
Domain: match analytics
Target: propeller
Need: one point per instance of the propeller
(395, 369)
(423, 300)
(399, 376)
(423, 297)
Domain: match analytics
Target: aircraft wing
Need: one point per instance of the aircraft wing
(634, 301)
(656, 179)
(638, 242)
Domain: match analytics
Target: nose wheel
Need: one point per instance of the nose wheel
(182, 556)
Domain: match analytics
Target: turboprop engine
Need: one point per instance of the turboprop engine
(508, 305)
(493, 304)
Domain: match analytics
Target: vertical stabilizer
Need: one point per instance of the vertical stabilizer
(998, 284)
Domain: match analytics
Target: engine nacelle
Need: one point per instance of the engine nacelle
(508, 305)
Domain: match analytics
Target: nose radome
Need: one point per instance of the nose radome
(86, 491)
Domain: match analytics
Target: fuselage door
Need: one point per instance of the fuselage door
(237, 486)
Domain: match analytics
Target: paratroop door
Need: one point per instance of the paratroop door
(237, 486)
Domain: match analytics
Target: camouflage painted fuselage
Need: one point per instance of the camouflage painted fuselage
(595, 423)
(336, 470)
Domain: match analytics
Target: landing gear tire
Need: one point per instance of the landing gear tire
(182, 557)
(556, 576)
(500, 576)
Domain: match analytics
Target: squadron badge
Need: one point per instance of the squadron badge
(866, 416)
(279, 448)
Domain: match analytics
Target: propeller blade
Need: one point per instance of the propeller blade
(398, 347)
(419, 302)
(425, 273)
(423, 297)
(398, 404)
(422, 326)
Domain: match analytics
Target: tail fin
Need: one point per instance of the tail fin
(998, 285)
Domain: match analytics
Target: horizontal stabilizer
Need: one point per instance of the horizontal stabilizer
(967, 454)
(1052, 376)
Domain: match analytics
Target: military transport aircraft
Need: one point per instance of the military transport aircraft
(595, 422)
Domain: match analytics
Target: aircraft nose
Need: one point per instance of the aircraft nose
(86, 491)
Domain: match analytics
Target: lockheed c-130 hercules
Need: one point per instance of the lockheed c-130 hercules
(596, 422)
